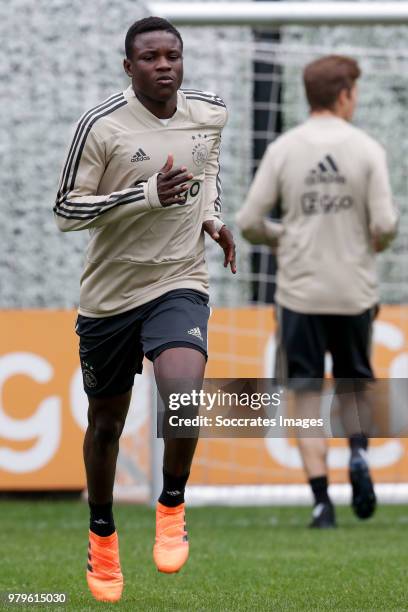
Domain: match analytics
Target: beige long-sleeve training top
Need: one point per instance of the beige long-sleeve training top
(139, 250)
(332, 183)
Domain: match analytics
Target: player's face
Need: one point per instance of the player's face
(346, 103)
(156, 66)
(352, 102)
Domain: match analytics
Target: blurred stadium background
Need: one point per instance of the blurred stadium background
(62, 58)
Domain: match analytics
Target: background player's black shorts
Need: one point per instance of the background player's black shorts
(304, 339)
(111, 349)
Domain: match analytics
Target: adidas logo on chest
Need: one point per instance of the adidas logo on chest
(326, 171)
(139, 156)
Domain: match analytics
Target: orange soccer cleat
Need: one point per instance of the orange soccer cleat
(104, 576)
(170, 550)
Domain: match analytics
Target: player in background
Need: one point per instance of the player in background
(332, 183)
(142, 175)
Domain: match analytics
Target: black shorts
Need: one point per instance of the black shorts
(304, 339)
(111, 349)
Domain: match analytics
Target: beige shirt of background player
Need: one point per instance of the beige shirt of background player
(332, 183)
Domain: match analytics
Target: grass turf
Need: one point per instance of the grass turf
(240, 559)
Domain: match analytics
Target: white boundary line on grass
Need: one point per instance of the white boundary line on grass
(284, 495)
(261, 495)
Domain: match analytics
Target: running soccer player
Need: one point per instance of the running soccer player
(142, 175)
(332, 183)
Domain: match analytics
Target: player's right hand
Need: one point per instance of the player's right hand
(380, 242)
(171, 187)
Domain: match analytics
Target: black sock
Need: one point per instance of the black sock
(173, 489)
(319, 487)
(358, 441)
(101, 521)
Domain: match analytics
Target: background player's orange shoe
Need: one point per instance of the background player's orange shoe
(104, 576)
(170, 550)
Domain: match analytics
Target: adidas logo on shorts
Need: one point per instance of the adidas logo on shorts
(195, 331)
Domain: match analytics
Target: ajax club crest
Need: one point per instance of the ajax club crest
(89, 377)
(200, 150)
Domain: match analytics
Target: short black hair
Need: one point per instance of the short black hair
(325, 77)
(148, 24)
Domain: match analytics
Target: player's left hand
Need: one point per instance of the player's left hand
(225, 239)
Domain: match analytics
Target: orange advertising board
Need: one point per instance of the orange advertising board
(40, 439)
(43, 406)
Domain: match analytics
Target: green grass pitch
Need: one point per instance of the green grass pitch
(240, 559)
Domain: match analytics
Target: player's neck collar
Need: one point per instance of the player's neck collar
(131, 97)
